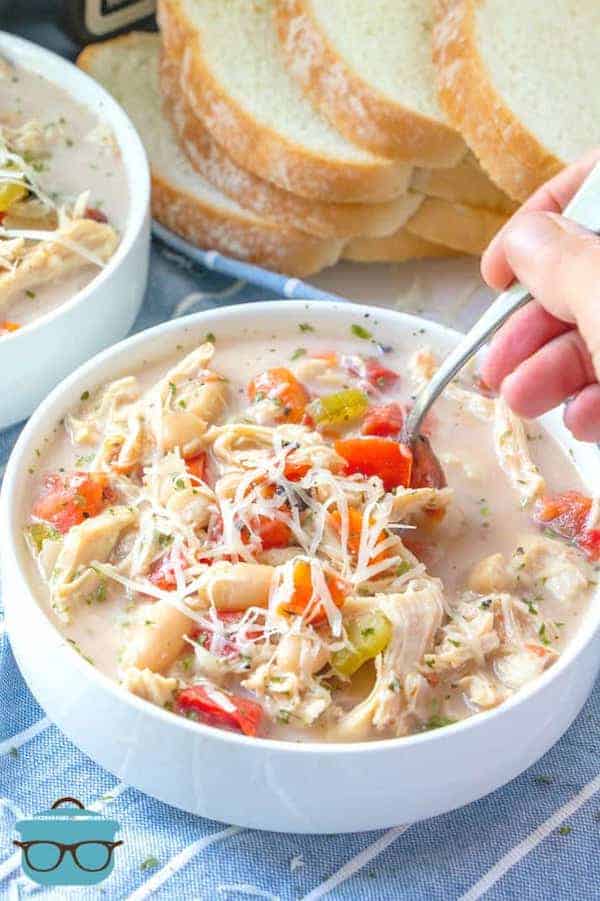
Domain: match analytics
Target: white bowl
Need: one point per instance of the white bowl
(35, 358)
(264, 783)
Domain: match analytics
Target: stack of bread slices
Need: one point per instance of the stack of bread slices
(293, 133)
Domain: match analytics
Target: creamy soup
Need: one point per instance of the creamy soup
(239, 536)
(63, 196)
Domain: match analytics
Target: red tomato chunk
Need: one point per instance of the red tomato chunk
(384, 421)
(382, 457)
(379, 375)
(67, 499)
(232, 712)
(567, 515)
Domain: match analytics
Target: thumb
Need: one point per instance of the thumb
(559, 262)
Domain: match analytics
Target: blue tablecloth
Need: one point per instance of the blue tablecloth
(537, 838)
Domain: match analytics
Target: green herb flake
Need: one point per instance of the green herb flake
(210, 337)
(438, 722)
(30, 294)
(565, 830)
(14, 752)
(306, 327)
(403, 568)
(40, 532)
(542, 779)
(149, 864)
(361, 332)
(543, 635)
(85, 396)
(283, 717)
(299, 352)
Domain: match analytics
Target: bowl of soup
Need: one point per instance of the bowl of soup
(231, 584)
(74, 222)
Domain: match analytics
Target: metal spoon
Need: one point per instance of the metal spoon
(584, 209)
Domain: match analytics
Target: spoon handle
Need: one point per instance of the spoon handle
(584, 208)
(496, 315)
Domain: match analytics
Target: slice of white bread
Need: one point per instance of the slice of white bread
(367, 65)
(465, 183)
(398, 248)
(337, 220)
(235, 80)
(521, 83)
(463, 228)
(183, 201)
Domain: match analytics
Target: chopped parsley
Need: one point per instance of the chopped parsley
(437, 721)
(306, 327)
(361, 332)
(210, 337)
(149, 864)
(543, 635)
(299, 352)
(542, 779)
(565, 830)
(85, 396)
(30, 293)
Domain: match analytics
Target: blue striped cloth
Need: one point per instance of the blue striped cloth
(538, 838)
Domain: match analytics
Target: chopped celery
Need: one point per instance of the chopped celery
(40, 532)
(368, 635)
(10, 192)
(339, 409)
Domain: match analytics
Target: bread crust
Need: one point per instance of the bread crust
(248, 238)
(258, 147)
(463, 228)
(357, 109)
(397, 248)
(513, 157)
(465, 183)
(327, 220)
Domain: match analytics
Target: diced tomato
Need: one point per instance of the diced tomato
(567, 515)
(281, 386)
(382, 457)
(379, 375)
(271, 532)
(207, 706)
(426, 469)
(303, 591)
(294, 471)
(67, 499)
(195, 465)
(384, 421)
(8, 326)
(162, 571)
(94, 213)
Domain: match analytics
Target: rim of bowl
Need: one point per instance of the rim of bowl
(133, 157)
(9, 527)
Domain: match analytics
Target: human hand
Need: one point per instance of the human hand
(549, 351)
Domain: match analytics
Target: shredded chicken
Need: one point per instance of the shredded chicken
(74, 245)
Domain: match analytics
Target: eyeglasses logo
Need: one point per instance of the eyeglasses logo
(67, 845)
